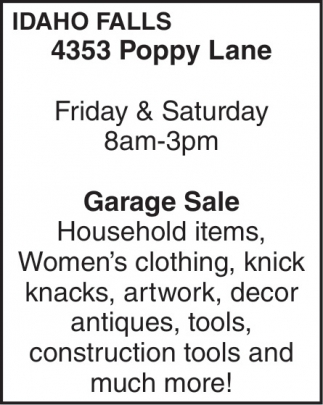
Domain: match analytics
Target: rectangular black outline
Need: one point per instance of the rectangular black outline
(1, 205)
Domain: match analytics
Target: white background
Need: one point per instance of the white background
(274, 170)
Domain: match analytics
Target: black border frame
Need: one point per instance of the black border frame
(1, 206)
